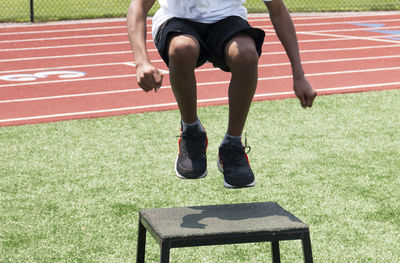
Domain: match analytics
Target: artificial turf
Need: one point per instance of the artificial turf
(70, 191)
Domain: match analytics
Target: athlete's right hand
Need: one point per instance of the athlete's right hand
(148, 77)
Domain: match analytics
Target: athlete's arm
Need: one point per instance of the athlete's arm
(148, 76)
(286, 33)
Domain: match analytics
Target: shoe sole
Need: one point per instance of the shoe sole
(184, 177)
(227, 185)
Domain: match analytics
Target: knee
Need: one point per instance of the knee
(183, 49)
(242, 56)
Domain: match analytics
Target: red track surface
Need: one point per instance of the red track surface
(340, 52)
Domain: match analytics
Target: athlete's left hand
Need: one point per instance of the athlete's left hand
(304, 91)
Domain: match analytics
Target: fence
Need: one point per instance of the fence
(48, 10)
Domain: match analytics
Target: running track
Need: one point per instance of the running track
(85, 69)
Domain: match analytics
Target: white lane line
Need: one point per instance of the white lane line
(355, 87)
(308, 75)
(327, 16)
(67, 56)
(66, 22)
(336, 49)
(86, 112)
(132, 64)
(266, 43)
(154, 50)
(68, 80)
(127, 42)
(199, 85)
(63, 67)
(267, 27)
(62, 38)
(64, 46)
(266, 20)
(354, 29)
(61, 30)
(70, 96)
(155, 106)
(381, 38)
(197, 70)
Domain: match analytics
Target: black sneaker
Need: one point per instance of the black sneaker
(191, 162)
(234, 164)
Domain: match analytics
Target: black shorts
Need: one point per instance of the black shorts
(212, 37)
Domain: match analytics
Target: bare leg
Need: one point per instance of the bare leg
(242, 58)
(183, 52)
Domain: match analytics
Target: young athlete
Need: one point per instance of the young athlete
(187, 33)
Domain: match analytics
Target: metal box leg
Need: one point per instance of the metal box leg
(306, 242)
(141, 244)
(164, 256)
(276, 255)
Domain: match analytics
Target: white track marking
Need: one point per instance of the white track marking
(335, 49)
(68, 80)
(86, 112)
(378, 39)
(62, 30)
(266, 43)
(154, 50)
(61, 38)
(66, 22)
(266, 20)
(267, 28)
(265, 95)
(131, 64)
(64, 67)
(67, 56)
(70, 95)
(64, 46)
(360, 28)
(323, 16)
(127, 42)
(198, 84)
(197, 70)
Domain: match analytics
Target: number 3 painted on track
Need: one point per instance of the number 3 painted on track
(64, 74)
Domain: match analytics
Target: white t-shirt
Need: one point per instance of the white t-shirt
(204, 11)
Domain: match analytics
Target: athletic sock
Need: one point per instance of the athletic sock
(230, 137)
(196, 123)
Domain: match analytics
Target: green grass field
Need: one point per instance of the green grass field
(46, 10)
(71, 191)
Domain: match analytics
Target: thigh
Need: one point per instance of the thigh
(225, 30)
(176, 27)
